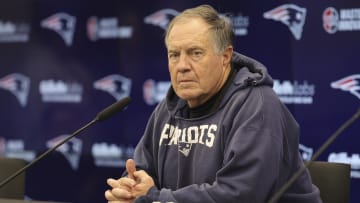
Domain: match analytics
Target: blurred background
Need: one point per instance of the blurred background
(61, 62)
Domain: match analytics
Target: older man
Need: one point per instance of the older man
(221, 134)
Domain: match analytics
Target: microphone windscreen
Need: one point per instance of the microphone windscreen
(112, 109)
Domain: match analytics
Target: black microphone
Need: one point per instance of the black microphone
(327, 143)
(112, 109)
(103, 115)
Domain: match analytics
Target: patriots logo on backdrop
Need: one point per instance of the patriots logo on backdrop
(161, 18)
(116, 85)
(291, 15)
(306, 152)
(18, 85)
(63, 24)
(350, 83)
(70, 149)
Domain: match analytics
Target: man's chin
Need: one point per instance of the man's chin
(187, 94)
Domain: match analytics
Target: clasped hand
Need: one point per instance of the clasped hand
(127, 189)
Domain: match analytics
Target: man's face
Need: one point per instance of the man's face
(197, 72)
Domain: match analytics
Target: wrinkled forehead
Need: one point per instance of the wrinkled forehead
(188, 31)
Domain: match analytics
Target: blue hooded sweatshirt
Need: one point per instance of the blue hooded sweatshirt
(242, 152)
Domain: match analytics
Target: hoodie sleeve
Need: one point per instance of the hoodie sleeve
(258, 156)
(144, 151)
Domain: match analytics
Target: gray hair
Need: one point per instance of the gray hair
(221, 29)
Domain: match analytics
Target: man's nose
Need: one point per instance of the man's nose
(183, 64)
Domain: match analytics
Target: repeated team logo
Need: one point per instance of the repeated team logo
(111, 155)
(154, 92)
(240, 23)
(306, 152)
(15, 148)
(294, 92)
(63, 24)
(70, 149)
(345, 20)
(117, 86)
(161, 18)
(330, 20)
(353, 160)
(14, 32)
(349, 84)
(291, 15)
(107, 28)
(60, 91)
(18, 84)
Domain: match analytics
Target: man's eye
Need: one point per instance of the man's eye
(197, 53)
(173, 55)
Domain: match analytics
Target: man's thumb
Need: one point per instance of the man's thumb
(130, 168)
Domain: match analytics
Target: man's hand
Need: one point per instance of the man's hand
(127, 189)
(144, 183)
(121, 190)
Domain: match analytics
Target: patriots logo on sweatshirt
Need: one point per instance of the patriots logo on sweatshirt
(185, 148)
(350, 84)
(291, 15)
(63, 24)
(116, 85)
(18, 85)
(161, 18)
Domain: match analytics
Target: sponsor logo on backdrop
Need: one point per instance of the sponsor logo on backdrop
(111, 155)
(15, 148)
(18, 84)
(306, 152)
(347, 20)
(353, 160)
(107, 28)
(60, 91)
(239, 22)
(63, 24)
(294, 92)
(161, 18)
(349, 84)
(14, 31)
(291, 15)
(117, 86)
(154, 92)
(70, 149)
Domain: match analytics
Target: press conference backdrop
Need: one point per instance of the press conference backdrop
(61, 62)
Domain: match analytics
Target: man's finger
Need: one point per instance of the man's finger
(113, 183)
(121, 194)
(124, 183)
(130, 168)
(109, 196)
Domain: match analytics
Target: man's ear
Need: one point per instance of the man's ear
(227, 55)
